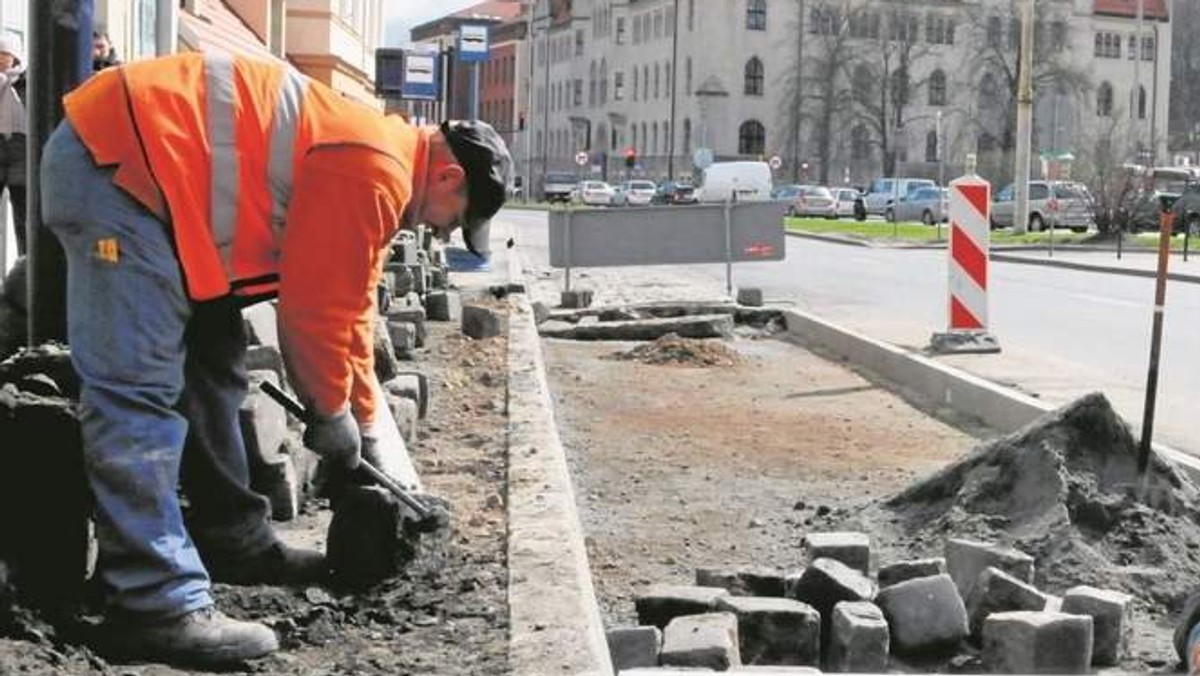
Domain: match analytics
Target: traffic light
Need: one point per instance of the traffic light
(630, 158)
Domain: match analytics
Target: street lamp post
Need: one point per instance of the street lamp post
(674, 94)
(1024, 120)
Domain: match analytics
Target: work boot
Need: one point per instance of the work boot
(278, 564)
(201, 638)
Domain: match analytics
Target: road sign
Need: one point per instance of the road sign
(775, 162)
(581, 158)
(419, 79)
(970, 208)
(473, 43)
(703, 158)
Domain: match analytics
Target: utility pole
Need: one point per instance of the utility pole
(60, 57)
(1135, 106)
(1024, 120)
(674, 94)
(798, 130)
(166, 26)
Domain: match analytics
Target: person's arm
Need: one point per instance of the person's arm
(340, 217)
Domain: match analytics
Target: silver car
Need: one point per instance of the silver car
(1056, 204)
(814, 200)
(928, 205)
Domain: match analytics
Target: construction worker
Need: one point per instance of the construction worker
(183, 189)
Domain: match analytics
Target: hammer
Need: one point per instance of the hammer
(428, 520)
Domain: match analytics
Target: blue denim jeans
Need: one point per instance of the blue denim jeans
(162, 380)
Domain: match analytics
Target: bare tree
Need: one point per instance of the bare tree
(1118, 193)
(881, 79)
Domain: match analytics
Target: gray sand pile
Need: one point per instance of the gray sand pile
(673, 350)
(1066, 490)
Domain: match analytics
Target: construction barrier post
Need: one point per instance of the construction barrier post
(967, 309)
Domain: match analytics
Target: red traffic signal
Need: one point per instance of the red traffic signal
(630, 158)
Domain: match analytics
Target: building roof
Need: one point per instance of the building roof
(214, 27)
(491, 11)
(1153, 9)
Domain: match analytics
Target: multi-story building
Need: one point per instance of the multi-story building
(839, 90)
(334, 42)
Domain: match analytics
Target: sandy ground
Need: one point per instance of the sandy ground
(677, 468)
(447, 614)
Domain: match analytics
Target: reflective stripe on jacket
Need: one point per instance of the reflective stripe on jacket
(213, 145)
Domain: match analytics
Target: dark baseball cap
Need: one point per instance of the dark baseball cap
(488, 166)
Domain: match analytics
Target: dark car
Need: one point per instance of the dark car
(1187, 210)
(674, 192)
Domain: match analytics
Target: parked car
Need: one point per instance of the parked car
(596, 193)
(883, 191)
(786, 193)
(1167, 185)
(743, 181)
(1187, 210)
(814, 201)
(558, 187)
(674, 192)
(928, 205)
(638, 193)
(846, 198)
(1052, 204)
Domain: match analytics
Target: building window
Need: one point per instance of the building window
(637, 30)
(691, 21)
(654, 138)
(939, 30)
(756, 15)
(578, 92)
(994, 32)
(620, 30)
(754, 77)
(657, 75)
(1104, 100)
(687, 136)
(937, 88)
(752, 138)
(666, 137)
(904, 27)
(931, 147)
(860, 143)
(1148, 49)
(687, 76)
(864, 24)
(1133, 48)
(592, 85)
(658, 25)
(645, 136)
(603, 81)
(1014, 35)
(1141, 102)
(670, 23)
(900, 86)
(635, 83)
(824, 21)
(579, 42)
(645, 83)
(668, 83)
(1108, 45)
(619, 86)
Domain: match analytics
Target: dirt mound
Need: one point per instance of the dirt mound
(1066, 489)
(676, 351)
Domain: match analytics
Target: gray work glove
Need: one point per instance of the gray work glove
(335, 438)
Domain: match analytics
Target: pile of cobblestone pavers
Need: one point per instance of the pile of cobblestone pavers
(977, 602)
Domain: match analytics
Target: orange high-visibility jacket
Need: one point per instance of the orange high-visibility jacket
(270, 183)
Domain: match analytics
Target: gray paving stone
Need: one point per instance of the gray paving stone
(632, 647)
(826, 583)
(750, 297)
(442, 306)
(775, 630)
(263, 422)
(404, 339)
(859, 640)
(925, 614)
(576, 299)
(966, 559)
(996, 592)
(479, 322)
(1027, 642)
(660, 604)
(743, 581)
(1112, 620)
(709, 640)
(896, 573)
(852, 549)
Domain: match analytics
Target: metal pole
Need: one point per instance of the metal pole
(527, 188)
(166, 26)
(729, 247)
(1137, 77)
(799, 131)
(674, 94)
(567, 244)
(546, 108)
(1166, 224)
(941, 156)
(60, 57)
(475, 91)
(1024, 121)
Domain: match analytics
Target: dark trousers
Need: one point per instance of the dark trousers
(12, 176)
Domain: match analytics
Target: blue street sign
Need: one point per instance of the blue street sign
(472, 43)
(419, 79)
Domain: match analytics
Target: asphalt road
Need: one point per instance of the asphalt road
(1064, 332)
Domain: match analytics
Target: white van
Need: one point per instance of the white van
(884, 190)
(748, 181)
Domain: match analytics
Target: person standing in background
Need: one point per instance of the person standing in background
(12, 134)
(103, 53)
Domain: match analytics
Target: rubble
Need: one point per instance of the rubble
(852, 549)
(691, 326)
(966, 560)
(1112, 620)
(896, 573)
(673, 350)
(481, 322)
(996, 591)
(631, 647)
(825, 583)
(743, 581)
